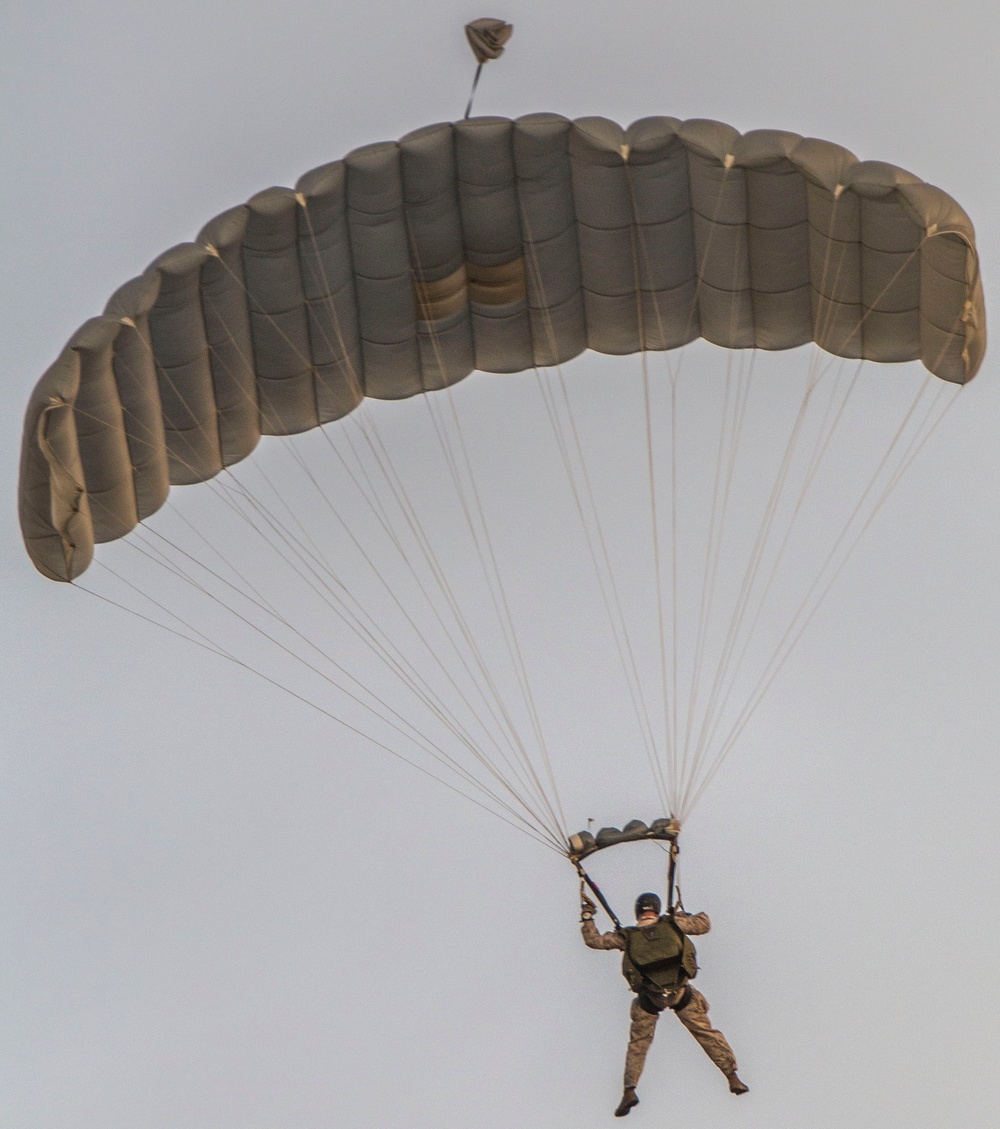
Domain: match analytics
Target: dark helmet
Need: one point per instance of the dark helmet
(647, 903)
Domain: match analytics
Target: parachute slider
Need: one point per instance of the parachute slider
(584, 843)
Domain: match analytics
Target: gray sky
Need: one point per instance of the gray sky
(221, 911)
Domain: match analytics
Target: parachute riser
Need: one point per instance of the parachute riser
(672, 877)
(596, 891)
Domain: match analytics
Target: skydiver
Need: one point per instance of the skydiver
(658, 962)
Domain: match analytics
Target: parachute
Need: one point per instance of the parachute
(496, 246)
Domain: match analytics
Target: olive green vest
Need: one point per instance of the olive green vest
(658, 954)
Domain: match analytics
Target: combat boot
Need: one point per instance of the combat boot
(628, 1101)
(735, 1085)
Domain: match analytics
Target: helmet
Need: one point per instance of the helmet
(647, 903)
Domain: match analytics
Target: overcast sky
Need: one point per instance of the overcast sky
(221, 911)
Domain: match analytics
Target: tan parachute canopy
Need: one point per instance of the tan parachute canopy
(484, 244)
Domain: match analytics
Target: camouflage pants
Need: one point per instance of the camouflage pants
(694, 1016)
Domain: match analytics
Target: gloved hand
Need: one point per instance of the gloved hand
(587, 910)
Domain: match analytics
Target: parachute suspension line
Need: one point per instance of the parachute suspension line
(716, 528)
(346, 365)
(492, 574)
(717, 696)
(353, 621)
(489, 563)
(503, 719)
(397, 663)
(440, 577)
(669, 698)
(674, 596)
(372, 500)
(675, 373)
(607, 584)
(716, 699)
(828, 429)
(403, 610)
(433, 702)
(409, 731)
(669, 695)
(705, 602)
(617, 621)
(421, 740)
(436, 659)
(859, 324)
(196, 637)
(677, 757)
(514, 735)
(824, 438)
(490, 706)
(811, 472)
(426, 548)
(503, 608)
(380, 453)
(253, 501)
(748, 600)
(212, 648)
(684, 769)
(668, 689)
(798, 627)
(504, 32)
(729, 670)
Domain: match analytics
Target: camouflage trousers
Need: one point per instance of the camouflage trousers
(694, 1016)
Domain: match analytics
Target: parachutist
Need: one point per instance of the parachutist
(659, 962)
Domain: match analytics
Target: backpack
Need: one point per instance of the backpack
(658, 957)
